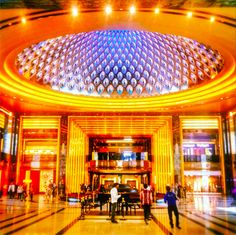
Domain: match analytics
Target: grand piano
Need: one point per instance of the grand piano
(130, 198)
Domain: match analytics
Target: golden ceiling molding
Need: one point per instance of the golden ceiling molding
(223, 83)
(15, 85)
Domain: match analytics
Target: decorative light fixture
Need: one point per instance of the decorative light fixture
(119, 63)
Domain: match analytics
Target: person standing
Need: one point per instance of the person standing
(31, 192)
(170, 198)
(11, 190)
(54, 190)
(114, 198)
(146, 201)
(20, 191)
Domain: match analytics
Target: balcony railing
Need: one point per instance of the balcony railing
(120, 164)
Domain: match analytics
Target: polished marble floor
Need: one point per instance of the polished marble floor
(199, 214)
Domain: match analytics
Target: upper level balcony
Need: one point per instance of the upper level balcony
(116, 166)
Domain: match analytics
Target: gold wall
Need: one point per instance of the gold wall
(232, 123)
(162, 151)
(38, 147)
(76, 157)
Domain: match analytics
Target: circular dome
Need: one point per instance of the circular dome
(119, 63)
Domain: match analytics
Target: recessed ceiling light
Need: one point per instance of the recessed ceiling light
(23, 20)
(212, 19)
(74, 11)
(189, 14)
(108, 10)
(132, 10)
(157, 10)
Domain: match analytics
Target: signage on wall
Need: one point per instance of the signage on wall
(203, 149)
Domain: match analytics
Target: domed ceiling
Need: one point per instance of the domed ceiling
(119, 63)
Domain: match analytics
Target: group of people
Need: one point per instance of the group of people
(20, 190)
(146, 199)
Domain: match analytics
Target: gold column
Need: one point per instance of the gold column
(232, 122)
(75, 161)
(181, 156)
(86, 179)
(20, 150)
(58, 151)
(163, 170)
(222, 160)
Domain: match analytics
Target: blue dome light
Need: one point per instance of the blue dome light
(119, 63)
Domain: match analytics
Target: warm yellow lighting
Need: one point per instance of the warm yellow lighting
(14, 84)
(212, 19)
(108, 10)
(132, 10)
(32, 122)
(75, 163)
(43, 149)
(6, 112)
(74, 11)
(120, 141)
(23, 20)
(204, 123)
(189, 14)
(157, 10)
(231, 114)
(2, 120)
(128, 138)
(124, 127)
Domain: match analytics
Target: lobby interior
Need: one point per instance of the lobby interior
(134, 92)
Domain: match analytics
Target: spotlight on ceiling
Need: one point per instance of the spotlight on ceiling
(23, 20)
(108, 10)
(132, 10)
(74, 11)
(157, 10)
(189, 14)
(212, 19)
